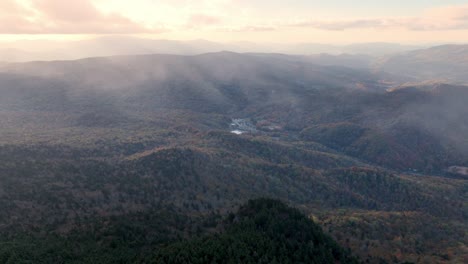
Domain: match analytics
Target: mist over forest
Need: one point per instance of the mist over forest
(142, 151)
(228, 131)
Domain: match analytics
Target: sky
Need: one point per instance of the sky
(263, 21)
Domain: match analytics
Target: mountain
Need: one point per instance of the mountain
(440, 64)
(33, 50)
(379, 48)
(344, 60)
(262, 231)
(132, 153)
(219, 80)
(447, 63)
(38, 50)
(413, 128)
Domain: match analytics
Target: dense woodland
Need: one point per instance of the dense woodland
(112, 160)
(262, 231)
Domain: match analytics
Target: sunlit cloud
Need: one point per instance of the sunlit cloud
(435, 19)
(224, 20)
(342, 24)
(248, 29)
(454, 13)
(64, 17)
(198, 20)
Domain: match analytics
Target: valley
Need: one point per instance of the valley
(134, 157)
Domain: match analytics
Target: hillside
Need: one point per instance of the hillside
(262, 231)
(120, 146)
(419, 127)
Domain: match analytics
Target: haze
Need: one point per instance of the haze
(233, 131)
(260, 21)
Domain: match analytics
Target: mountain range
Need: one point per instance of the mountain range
(31, 50)
(134, 156)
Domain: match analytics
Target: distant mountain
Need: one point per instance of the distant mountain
(222, 82)
(448, 63)
(344, 60)
(441, 64)
(379, 48)
(33, 50)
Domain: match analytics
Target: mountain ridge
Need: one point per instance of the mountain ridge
(110, 152)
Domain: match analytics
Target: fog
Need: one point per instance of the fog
(31, 50)
(288, 91)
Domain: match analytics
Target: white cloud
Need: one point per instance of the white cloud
(64, 17)
(435, 19)
(152, 17)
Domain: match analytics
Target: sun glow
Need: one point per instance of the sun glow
(233, 20)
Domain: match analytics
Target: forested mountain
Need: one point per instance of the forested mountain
(447, 63)
(438, 64)
(316, 102)
(262, 231)
(128, 154)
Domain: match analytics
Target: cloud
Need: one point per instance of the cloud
(454, 13)
(64, 17)
(203, 20)
(75, 11)
(9, 7)
(219, 24)
(343, 24)
(247, 29)
(435, 19)
(182, 16)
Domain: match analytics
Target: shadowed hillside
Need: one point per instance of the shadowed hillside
(262, 231)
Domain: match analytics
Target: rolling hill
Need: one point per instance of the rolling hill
(132, 153)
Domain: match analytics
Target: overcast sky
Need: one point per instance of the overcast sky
(329, 21)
